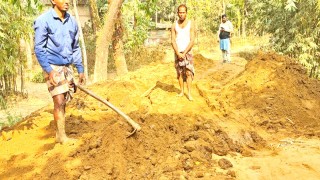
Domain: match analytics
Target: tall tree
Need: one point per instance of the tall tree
(29, 44)
(95, 19)
(83, 44)
(104, 38)
(117, 44)
(238, 13)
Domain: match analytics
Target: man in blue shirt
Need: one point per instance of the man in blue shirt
(57, 48)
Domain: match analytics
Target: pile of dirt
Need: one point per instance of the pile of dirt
(236, 107)
(169, 146)
(280, 95)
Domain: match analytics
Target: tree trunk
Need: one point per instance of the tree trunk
(22, 50)
(104, 40)
(95, 19)
(83, 49)
(156, 17)
(244, 33)
(244, 19)
(22, 88)
(134, 21)
(29, 44)
(118, 53)
(223, 7)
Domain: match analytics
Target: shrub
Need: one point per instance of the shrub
(3, 103)
(38, 78)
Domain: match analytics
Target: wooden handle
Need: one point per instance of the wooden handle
(126, 117)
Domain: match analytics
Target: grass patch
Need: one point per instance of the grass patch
(3, 103)
(10, 120)
(247, 55)
(38, 78)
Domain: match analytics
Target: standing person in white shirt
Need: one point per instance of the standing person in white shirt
(224, 35)
(182, 40)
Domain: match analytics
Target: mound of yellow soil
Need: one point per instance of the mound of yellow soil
(226, 132)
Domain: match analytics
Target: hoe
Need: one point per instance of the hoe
(135, 126)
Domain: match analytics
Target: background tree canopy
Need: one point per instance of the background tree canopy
(293, 26)
(16, 19)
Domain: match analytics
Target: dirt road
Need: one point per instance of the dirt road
(20, 107)
(254, 119)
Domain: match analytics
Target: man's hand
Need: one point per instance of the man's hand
(181, 56)
(82, 79)
(54, 77)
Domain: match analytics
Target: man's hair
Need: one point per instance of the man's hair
(223, 15)
(182, 5)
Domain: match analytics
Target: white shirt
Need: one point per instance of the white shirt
(183, 36)
(227, 26)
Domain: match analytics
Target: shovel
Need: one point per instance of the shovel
(135, 126)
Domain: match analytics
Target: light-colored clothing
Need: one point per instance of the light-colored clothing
(227, 26)
(64, 80)
(56, 41)
(183, 36)
(226, 56)
(182, 66)
(225, 44)
(183, 39)
(225, 40)
(225, 49)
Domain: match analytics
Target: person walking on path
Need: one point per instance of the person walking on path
(182, 40)
(57, 48)
(224, 37)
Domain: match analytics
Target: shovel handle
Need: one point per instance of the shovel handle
(126, 117)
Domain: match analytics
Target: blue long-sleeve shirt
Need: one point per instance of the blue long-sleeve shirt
(56, 42)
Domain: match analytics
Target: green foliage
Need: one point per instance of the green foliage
(102, 6)
(206, 14)
(15, 24)
(294, 25)
(137, 22)
(11, 120)
(237, 13)
(3, 103)
(2, 124)
(166, 10)
(38, 78)
(90, 39)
